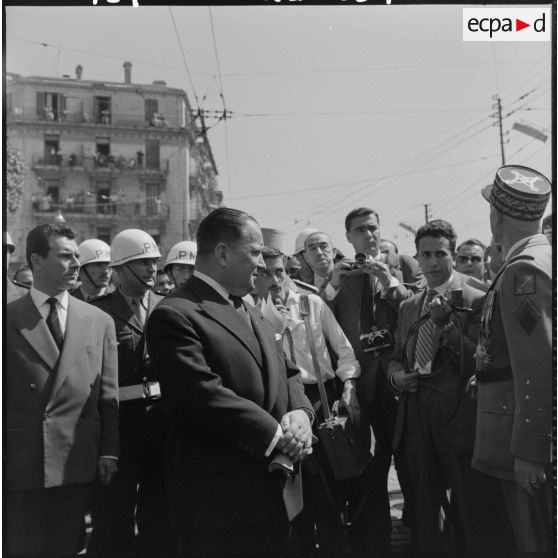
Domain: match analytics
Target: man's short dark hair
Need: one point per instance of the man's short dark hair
(438, 229)
(223, 224)
(473, 242)
(359, 212)
(38, 240)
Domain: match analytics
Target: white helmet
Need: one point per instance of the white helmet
(132, 244)
(301, 237)
(8, 242)
(93, 251)
(183, 252)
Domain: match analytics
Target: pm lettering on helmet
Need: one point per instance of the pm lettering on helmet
(99, 253)
(148, 247)
(184, 254)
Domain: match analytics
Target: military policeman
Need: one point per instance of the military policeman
(514, 357)
(180, 261)
(13, 288)
(94, 272)
(139, 482)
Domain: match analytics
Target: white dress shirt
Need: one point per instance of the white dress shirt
(324, 326)
(40, 300)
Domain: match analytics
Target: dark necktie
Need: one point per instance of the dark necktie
(53, 323)
(137, 308)
(423, 349)
(366, 304)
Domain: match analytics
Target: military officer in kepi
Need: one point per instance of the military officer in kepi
(514, 357)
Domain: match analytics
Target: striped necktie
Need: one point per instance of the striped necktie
(423, 349)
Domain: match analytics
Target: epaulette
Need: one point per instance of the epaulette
(305, 286)
(18, 284)
(521, 257)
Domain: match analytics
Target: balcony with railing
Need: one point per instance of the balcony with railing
(98, 164)
(90, 206)
(100, 118)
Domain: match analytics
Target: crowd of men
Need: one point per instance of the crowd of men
(182, 404)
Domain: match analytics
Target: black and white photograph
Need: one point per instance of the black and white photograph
(279, 280)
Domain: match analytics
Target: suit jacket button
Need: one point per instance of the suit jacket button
(33, 387)
(504, 407)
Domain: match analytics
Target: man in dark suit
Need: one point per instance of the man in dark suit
(431, 364)
(60, 403)
(365, 300)
(514, 359)
(231, 400)
(136, 493)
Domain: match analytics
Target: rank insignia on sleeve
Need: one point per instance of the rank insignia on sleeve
(528, 315)
(524, 284)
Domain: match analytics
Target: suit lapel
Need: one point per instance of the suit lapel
(269, 356)
(29, 322)
(77, 328)
(218, 309)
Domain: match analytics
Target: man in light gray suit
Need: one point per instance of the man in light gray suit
(61, 403)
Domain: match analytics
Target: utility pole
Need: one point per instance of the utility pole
(426, 213)
(498, 106)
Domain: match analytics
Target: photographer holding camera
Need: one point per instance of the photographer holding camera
(431, 364)
(364, 298)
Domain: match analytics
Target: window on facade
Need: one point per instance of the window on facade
(153, 199)
(151, 108)
(52, 191)
(103, 196)
(52, 155)
(50, 106)
(152, 154)
(103, 113)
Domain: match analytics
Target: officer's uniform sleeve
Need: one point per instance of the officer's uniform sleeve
(526, 306)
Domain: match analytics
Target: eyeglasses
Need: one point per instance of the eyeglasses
(465, 259)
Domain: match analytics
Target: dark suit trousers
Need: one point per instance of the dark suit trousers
(476, 515)
(136, 493)
(46, 521)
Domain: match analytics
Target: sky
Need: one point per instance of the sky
(330, 107)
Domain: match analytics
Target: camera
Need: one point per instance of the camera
(152, 390)
(360, 261)
(375, 340)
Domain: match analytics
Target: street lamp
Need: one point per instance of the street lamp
(530, 131)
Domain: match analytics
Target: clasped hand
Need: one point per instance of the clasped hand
(296, 441)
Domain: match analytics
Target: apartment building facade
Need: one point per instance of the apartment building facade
(106, 156)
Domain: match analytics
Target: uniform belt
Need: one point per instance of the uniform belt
(493, 375)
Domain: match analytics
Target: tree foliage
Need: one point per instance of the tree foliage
(15, 174)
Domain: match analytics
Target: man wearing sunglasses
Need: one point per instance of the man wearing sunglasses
(470, 258)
